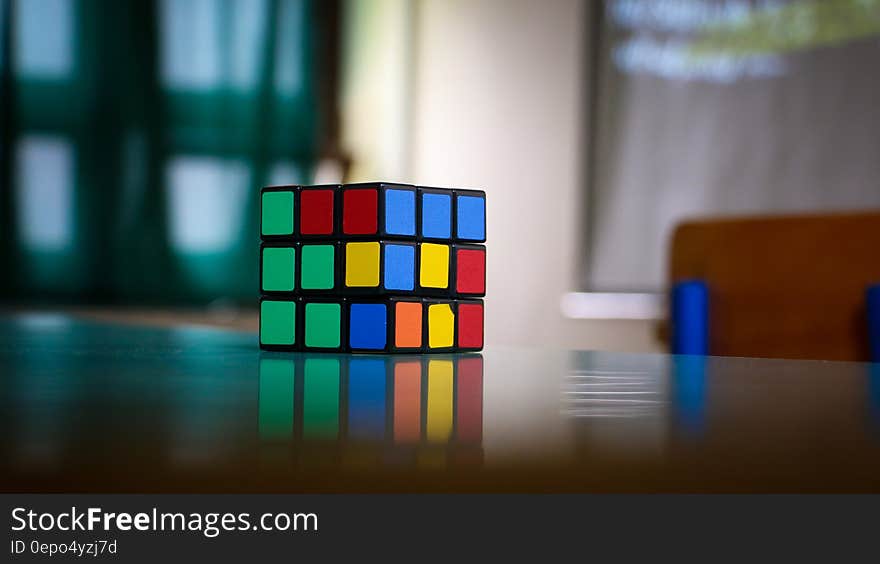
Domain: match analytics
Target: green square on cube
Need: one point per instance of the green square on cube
(277, 323)
(279, 269)
(317, 267)
(277, 213)
(323, 325)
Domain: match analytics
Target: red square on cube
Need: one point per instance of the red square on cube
(316, 212)
(470, 271)
(360, 212)
(470, 325)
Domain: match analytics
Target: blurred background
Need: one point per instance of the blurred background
(136, 135)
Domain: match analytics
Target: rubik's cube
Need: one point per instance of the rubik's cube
(372, 268)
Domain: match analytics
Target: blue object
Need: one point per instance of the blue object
(690, 318)
(366, 398)
(872, 303)
(436, 215)
(400, 212)
(400, 267)
(367, 326)
(471, 218)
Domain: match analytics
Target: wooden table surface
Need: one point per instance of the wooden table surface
(114, 407)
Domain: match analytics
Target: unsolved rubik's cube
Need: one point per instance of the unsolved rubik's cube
(372, 268)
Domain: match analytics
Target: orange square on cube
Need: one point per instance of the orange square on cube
(407, 325)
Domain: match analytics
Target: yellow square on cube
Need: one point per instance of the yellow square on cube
(441, 326)
(362, 265)
(434, 268)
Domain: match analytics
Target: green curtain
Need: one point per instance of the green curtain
(135, 136)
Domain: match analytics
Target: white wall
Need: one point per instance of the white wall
(499, 93)
(495, 99)
(375, 98)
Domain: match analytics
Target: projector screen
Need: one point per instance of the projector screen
(713, 108)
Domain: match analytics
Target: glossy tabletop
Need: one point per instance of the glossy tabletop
(101, 407)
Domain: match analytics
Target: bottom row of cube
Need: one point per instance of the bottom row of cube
(378, 325)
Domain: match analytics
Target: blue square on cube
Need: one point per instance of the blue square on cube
(436, 216)
(367, 326)
(471, 218)
(400, 267)
(400, 212)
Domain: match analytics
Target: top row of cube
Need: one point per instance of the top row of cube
(353, 211)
